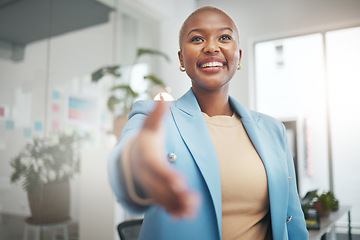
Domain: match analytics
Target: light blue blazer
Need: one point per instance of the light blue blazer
(188, 137)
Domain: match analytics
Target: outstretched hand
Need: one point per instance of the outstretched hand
(161, 182)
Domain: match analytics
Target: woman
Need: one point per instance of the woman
(205, 167)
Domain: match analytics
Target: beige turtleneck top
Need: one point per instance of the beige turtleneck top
(245, 198)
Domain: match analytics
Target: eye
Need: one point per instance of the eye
(196, 39)
(225, 37)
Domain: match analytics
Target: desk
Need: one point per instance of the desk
(326, 223)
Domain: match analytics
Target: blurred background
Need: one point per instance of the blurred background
(69, 69)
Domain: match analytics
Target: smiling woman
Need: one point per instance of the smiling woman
(207, 148)
(209, 51)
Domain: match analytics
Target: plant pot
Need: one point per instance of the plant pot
(319, 206)
(50, 203)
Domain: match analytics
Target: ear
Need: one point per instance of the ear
(240, 55)
(180, 58)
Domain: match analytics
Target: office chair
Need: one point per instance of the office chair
(129, 230)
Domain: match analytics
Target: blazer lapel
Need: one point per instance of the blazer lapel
(193, 130)
(273, 161)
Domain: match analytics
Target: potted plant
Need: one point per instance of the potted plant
(44, 168)
(325, 203)
(122, 94)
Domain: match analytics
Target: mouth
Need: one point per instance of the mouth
(212, 63)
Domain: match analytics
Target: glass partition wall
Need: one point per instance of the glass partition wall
(55, 126)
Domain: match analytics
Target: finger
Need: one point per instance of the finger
(153, 121)
(168, 177)
(161, 192)
(192, 202)
(168, 188)
(188, 201)
(162, 177)
(172, 193)
(185, 205)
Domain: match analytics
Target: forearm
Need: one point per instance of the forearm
(121, 179)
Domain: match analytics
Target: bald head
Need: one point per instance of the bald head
(212, 9)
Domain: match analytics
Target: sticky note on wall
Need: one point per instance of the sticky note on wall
(55, 125)
(4, 112)
(56, 95)
(55, 107)
(10, 125)
(27, 132)
(38, 126)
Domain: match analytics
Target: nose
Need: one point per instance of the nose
(211, 47)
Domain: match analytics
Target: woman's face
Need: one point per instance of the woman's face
(210, 51)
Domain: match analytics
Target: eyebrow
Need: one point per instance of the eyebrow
(219, 30)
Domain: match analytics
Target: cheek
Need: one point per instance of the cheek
(189, 60)
(190, 55)
(234, 55)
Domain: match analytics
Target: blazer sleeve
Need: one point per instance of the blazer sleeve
(296, 227)
(116, 168)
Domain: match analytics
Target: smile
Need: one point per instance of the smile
(211, 64)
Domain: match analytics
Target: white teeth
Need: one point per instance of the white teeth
(212, 64)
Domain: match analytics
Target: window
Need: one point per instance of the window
(296, 79)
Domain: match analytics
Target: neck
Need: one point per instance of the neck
(214, 103)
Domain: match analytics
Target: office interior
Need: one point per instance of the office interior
(299, 65)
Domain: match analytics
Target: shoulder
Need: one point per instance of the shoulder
(264, 119)
(266, 124)
(258, 118)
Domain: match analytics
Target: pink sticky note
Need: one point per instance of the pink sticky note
(2, 112)
(55, 125)
(55, 107)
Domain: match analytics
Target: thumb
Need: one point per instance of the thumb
(153, 121)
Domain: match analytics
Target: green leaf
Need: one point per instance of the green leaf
(112, 70)
(155, 80)
(112, 101)
(19, 168)
(97, 75)
(31, 179)
(144, 51)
